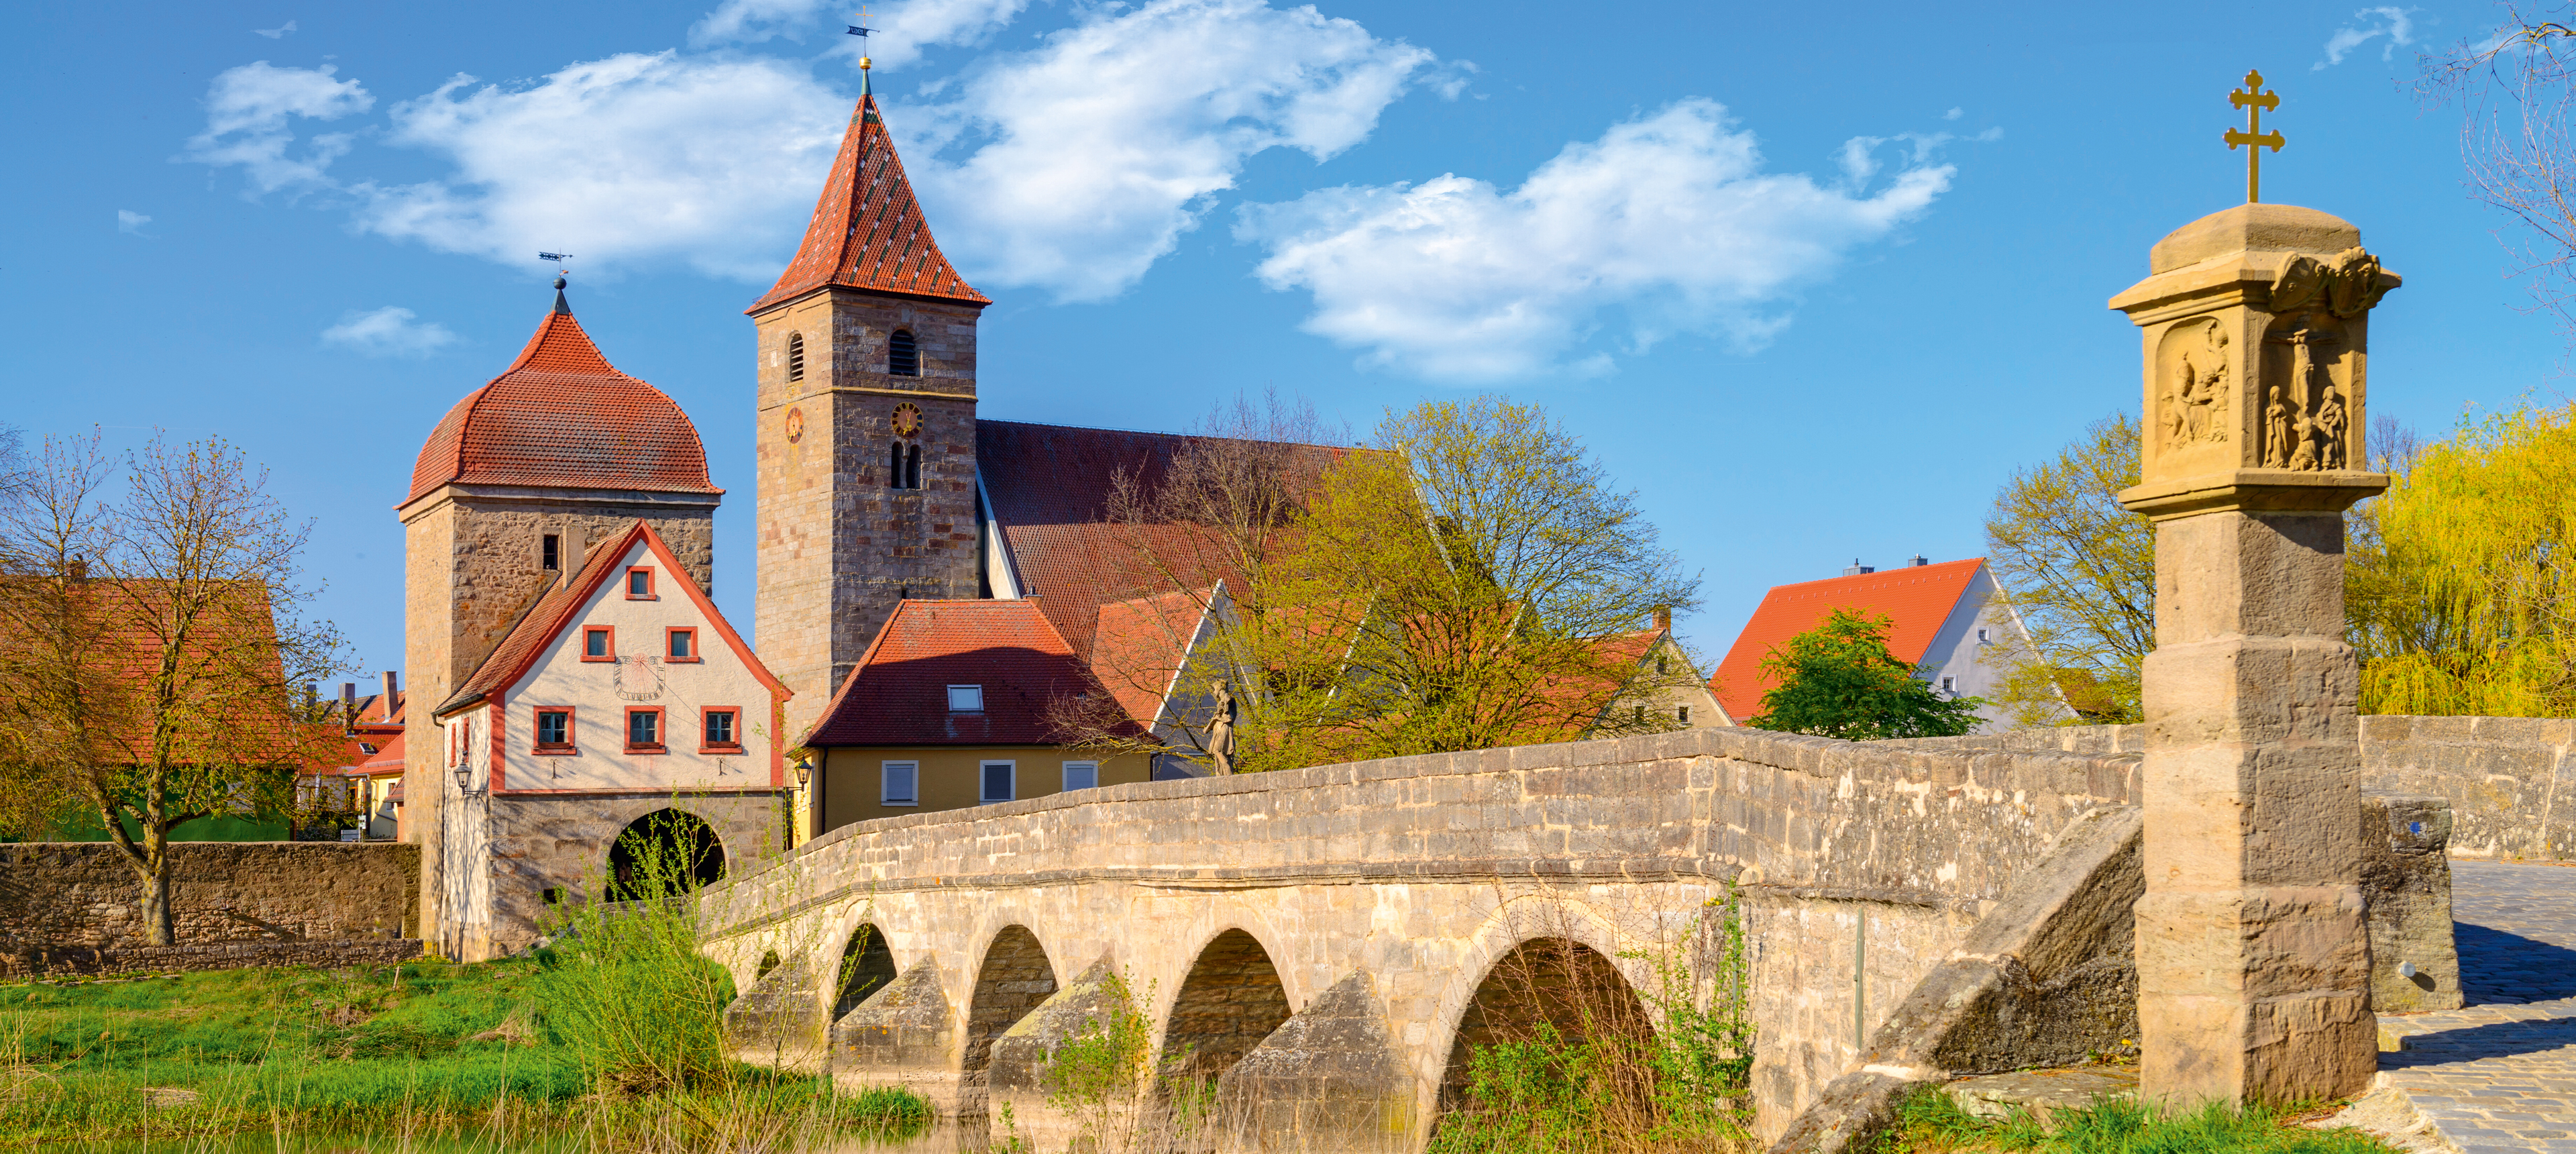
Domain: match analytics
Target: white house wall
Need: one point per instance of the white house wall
(599, 700)
(1976, 667)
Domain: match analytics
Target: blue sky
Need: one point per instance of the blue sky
(1813, 284)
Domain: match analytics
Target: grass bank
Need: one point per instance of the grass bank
(1931, 1123)
(426, 1049)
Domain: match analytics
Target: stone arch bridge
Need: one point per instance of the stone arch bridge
(1316, 940)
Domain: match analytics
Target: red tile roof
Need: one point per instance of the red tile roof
(1919, 598)
(560, 606)
(868, 231)
(560, 416)
(898, 694)
(1049, 487)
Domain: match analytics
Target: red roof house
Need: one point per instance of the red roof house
(954, 706)
(1943, 615)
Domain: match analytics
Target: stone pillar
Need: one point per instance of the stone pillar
(2253, 951)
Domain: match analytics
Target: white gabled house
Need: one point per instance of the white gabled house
(621, 700)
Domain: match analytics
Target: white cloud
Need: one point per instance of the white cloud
(247, 112)
(1092, 153)
(1669, 219)
(903, 28)
(2397, 24)
(1953, 114)
(131, 222)
(711, 161)
(278, 33)
(391, 331)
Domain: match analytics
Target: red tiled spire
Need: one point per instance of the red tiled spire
(868, 231)
(561, 416)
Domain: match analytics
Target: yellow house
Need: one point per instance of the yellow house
(949, 708)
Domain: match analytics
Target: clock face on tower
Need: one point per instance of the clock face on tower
(795, 425)
(907, 419)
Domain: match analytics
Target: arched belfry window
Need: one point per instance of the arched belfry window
(903, 466)
(894, 465)
(902, 358)
(912, 467)
(795, 356)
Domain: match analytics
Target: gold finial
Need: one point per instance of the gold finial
(865, 64)
(2254, 100)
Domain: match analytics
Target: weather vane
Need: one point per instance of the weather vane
(558, 257)
(2254, 100)
(861, 31)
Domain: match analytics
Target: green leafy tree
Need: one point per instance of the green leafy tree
(1840, 680)
(2080, 572)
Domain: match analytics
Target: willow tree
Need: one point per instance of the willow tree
(2460, 590)
(155, 647)
(2080, 569)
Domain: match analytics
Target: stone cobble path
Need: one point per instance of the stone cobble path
(2499, 1074)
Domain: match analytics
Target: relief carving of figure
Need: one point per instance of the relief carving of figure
(2329, 425)
(2195, 403)
(2276, 432)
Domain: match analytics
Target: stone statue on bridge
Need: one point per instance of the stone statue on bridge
(1220, 743)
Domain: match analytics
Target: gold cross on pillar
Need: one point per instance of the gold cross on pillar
(2254, 100)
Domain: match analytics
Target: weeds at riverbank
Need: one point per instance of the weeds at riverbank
(1558, 1053)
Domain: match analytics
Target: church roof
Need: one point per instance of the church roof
(1049, 487)
(561, 417)
(898, 693)
(1917, 598)
(868, 230)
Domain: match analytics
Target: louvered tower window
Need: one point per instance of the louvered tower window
(902, 359)
(795, 356)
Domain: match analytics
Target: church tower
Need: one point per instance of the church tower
(866, 443)
(559, 452)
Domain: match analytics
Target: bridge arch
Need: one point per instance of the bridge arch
(865, 966)
(1013, 977)
(1528, 963)
(1230, 999)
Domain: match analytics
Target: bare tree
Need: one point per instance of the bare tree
(159, 647)
(2516, 89)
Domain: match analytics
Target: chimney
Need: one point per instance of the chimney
(312, 695)
(349, 702)
(1918, 561)
(80, 568)
(576, 546)
(393, 681)
(1857, 569)
(1663, 618)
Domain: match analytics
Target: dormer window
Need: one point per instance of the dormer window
(903, 359)
(795, 356)
(965, 699)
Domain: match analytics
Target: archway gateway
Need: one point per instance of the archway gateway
(665, 852)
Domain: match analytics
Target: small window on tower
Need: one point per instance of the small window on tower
(1681, 713)
(795, 356)
(553, 553)
(902, 359)
(894, 465)
(912, 467)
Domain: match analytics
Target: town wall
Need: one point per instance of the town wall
(84, 893)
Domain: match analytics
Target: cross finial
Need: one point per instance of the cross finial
(861, 31)
(2254, 101)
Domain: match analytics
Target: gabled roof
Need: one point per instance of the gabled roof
(898, 694)
(560, 606)
(868, 231)
(1918, 598)
(561, 417)
(1049, 489)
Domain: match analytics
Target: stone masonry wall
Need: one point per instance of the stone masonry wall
(83, 893)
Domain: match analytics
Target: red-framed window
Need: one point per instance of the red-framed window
(720, 729)
(552, 725)
(639, 584)
(599, 643)
(644, 733)
(681, 643)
